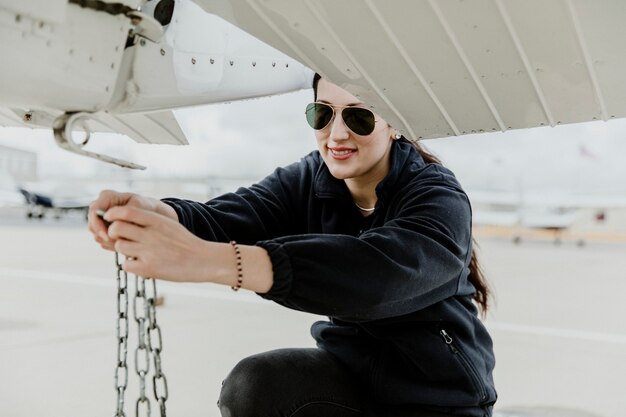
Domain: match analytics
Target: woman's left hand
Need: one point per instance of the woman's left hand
(156, 246)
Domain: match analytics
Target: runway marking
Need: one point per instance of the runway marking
(213, 292)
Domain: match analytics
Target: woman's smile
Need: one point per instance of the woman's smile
(341, 153)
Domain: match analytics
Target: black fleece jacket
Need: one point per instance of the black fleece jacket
(394, 284)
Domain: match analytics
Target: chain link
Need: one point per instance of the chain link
(160, 395)
(142, 348)
(122, 337)
(149, 342)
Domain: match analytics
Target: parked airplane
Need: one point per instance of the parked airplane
(40, 204)
(519, 183)
(41, 199)
(512, 211)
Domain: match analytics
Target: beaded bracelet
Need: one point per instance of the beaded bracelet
(239, 267)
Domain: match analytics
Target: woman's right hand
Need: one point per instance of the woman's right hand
(107, 199)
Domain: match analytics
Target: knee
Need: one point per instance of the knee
(246, 388)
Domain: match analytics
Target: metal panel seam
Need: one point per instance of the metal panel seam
(585, 50)
(130, 130)
(467, 63)
(394, 39)
(524, 57)
(154, 118)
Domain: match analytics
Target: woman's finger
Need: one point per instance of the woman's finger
(96, 225)
(124, 230)
(127, 248)
(134, 215)
(105, 200)
(108, 244)
(135, 266)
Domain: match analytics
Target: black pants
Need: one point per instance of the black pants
(300, 383)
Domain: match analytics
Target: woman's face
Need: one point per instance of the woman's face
(348, 155)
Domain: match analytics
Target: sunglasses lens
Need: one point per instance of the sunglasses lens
(361, 121)
(318, 115)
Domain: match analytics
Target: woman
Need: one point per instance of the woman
(370, 231)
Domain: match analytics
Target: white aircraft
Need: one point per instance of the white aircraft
(42, 198)
(554, 210)
(56, 201)
(539, 209)
(431, 68)
(103, 66)
(542, 179)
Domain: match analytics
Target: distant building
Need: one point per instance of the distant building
(20, 164)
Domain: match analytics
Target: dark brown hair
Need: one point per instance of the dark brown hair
(476, 275)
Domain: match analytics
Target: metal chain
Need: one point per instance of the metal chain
(149, 342)
(141, 352)
(158, 380)
(122, 337)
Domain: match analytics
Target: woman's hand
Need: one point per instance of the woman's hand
(157, 246)
(147, 232)
(108, 199)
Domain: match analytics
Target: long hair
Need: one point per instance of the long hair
(476, 275)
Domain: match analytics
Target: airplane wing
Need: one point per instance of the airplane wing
(494, 197)
(441, 68)
(155, 127)
(431, 68)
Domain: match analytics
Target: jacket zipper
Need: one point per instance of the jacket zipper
(466, 362)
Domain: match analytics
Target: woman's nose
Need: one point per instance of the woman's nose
(338, 129)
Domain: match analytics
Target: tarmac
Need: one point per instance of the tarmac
(557, 323)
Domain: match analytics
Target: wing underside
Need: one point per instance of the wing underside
(155, 127)
(439, 68)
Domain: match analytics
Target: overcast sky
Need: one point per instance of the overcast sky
(250, 138)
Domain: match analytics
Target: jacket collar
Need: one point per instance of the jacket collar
(402, 154)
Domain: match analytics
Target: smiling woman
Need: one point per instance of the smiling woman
(355, 147)
(370, 231)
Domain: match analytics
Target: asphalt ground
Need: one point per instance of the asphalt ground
(558, 325)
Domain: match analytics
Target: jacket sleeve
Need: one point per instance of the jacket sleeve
(415, 259)
(262, 211)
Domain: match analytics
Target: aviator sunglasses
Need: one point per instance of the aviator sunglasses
(358, 119)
